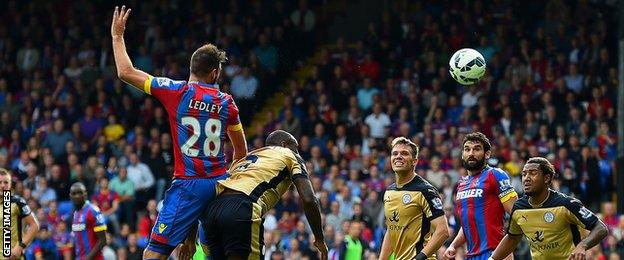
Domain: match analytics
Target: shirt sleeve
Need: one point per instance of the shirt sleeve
(296, 166)
(99, 221)
(579, 215)
(163, 88)
(513, 228)
(234, 123)
(24, 208)
(504, 189)
(432, 204)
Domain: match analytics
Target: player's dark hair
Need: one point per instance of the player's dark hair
(544, 165)
(205, 59)
(478, 137)
(277, 137)
(408, 142)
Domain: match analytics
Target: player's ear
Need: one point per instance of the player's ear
(488, 154)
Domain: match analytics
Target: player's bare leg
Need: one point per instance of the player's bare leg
(151, 255)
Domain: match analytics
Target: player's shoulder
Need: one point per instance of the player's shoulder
(19, 200)
(498, 173)
(522, 203)
(168, 82)
(419, 184)
(558, 199)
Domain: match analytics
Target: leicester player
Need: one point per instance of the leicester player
(483, 197)
(24, 225)
(233, 226)
(417, 227)
(200, 116)
(88, 225)
(551, 221)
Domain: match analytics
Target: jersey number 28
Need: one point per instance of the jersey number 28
(212, 141)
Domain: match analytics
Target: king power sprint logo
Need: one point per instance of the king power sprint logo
(6, 223)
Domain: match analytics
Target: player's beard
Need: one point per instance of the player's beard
(478, 165)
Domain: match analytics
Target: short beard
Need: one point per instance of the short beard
(475, 167)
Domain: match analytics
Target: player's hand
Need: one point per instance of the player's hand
(450, 252)
(187, 250)
(322, 247)
(16, 252)
(579, 253)
(120, 17)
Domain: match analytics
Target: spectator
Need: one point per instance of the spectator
(378, 122)
(124, 188)
(56, 139)
(365, 95)
(44, 194)
(147, 223)
(108, 202)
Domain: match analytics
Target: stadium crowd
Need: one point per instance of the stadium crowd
(549, 91)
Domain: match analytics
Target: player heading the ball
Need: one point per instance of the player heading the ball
(200, 117)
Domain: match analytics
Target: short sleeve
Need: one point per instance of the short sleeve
(504, 189)
(24, 208)
(432, 204)
(513, 228)
(296, 166)
(160, 87)
(100, 222)
(579, 215)
(233, 121)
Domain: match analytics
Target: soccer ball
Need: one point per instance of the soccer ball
(467, 66)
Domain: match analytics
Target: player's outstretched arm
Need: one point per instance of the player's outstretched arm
(506, 246)
(439, 236)
(597, 234)
(312, 212)
(125, 70)
(459, 240)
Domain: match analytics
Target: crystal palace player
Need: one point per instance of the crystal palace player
(88, 225)
(482, 199)
(200, 116)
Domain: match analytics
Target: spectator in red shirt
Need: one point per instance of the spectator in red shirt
(108, 202)
(147, 223)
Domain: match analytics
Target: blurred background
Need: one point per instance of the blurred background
(344, 77)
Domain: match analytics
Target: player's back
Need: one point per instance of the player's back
(199, 116)
(481, 212)
(265, 175)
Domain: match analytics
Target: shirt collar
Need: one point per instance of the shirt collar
(204, 84)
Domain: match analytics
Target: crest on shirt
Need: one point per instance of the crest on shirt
(406, 198)
(549, 217)
(161, 227)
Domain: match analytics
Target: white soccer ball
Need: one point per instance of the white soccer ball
(467, 66)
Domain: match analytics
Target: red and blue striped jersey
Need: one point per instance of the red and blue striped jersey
(199, 117)
(87, 221)
(479, 204)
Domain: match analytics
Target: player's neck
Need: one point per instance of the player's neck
(404, 178)
(196, 79)
(539, 199)
(473, 173)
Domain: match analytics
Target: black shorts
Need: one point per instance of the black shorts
(233, 226)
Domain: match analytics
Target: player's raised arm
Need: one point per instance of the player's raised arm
(125, 71)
